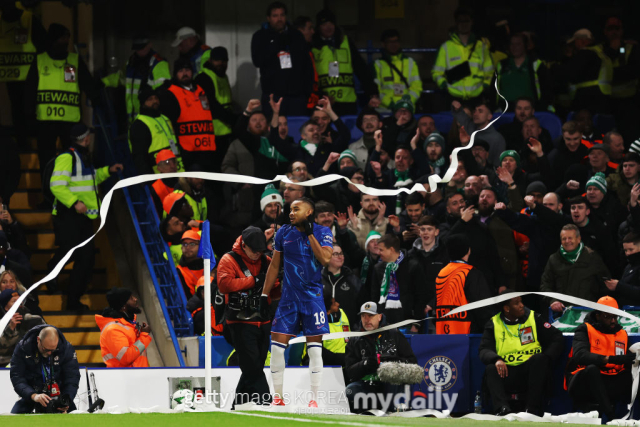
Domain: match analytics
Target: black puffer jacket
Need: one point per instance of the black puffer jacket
(361, 353)
(344, 289)
(26, 366)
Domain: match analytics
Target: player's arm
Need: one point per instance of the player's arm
(272, 272)
(270, 280)
(322, 253)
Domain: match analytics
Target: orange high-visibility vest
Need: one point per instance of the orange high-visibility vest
(604, 345)
(450, 295)
(162, 189)
(190, 277)
(216, 329)
(121, 344)
(195, 125)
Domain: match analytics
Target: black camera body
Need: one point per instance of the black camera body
(56, 402)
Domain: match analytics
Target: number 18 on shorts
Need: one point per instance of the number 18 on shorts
(290, 314)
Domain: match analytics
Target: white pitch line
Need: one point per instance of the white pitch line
(306, 420)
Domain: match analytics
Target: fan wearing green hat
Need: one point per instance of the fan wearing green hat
(511, 173)
(605, 206)
(401, 126)
(429, 156)
(366, 269)
(271, 204)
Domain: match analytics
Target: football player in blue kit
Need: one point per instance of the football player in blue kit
(303, 248)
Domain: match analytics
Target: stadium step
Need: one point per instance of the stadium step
(25, 199)
(58, 301)
(40, 259)
(79, 328)
(30, 180)
(71, 319)
(29, 161)
(82, 336)
(40, 239)
(99, 280)
(33, 219)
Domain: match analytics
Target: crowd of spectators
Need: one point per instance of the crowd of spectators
(540, 214)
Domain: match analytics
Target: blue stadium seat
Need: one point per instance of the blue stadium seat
(603, 122)
(294, 126)
(443, 121)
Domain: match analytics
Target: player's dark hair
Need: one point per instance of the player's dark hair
(311, 204)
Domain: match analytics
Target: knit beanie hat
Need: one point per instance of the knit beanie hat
(511, 153)
(145, 93)
(536, 187)
(373, 235)
(635, 146)
(270, 194)
(180, 64)
(599, 181)
(404, 102)
(118, 297)
(350, 154)
(434, 137)
(457, 246)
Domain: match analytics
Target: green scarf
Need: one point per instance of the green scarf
(269, 151)
(364, 270)
(572, 256)
(309, 148)
(401, 176)
(437, 163)
(390, 269)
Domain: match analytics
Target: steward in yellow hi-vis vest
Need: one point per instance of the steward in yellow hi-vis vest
(53, 88)
(144, 69)
(464, 66)
(337, 62)
(150, 133)
(395, 73)
(519, 348)
(74, 184)
(599, 366)
(21, 37)
(215, 83)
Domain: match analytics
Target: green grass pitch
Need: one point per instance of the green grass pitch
(236, 419)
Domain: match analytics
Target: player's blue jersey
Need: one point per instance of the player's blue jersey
(302, 271)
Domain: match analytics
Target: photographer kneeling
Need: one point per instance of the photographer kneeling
(44, 372)
(364, 355)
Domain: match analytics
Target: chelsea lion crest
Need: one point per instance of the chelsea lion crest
(440, 373)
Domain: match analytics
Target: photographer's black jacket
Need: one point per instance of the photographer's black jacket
(361, 355)
(26, 366)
